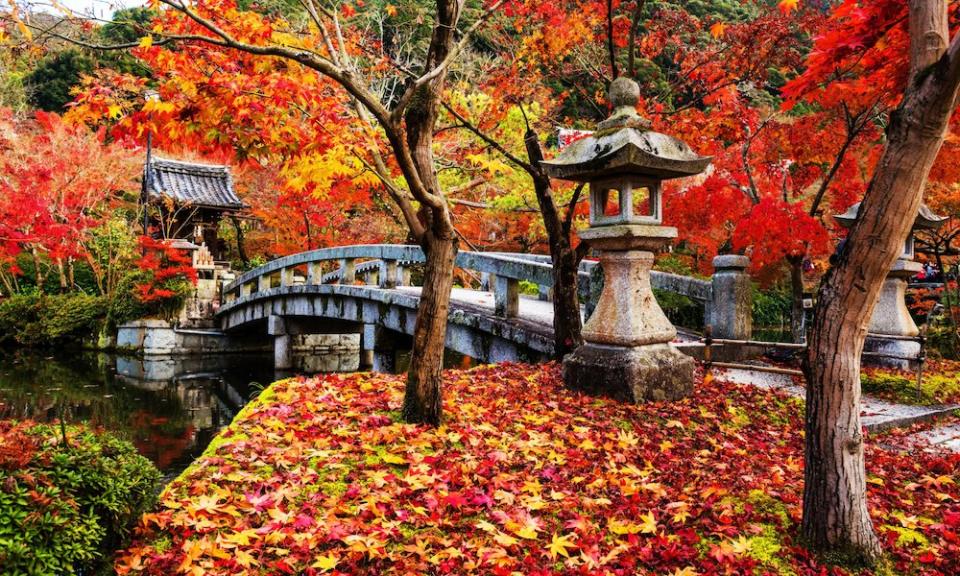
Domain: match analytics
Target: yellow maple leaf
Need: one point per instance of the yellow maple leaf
(649, 525)
(559, 545)
(328, 562)
(114, 111)
(504, 539)
(740, 546)
(391, 10)
(528, 532)
(146, 41)
(245, 559)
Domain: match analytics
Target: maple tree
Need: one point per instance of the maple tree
(60, 183)
(927, 72)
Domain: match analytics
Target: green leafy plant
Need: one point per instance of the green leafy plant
(67, 498)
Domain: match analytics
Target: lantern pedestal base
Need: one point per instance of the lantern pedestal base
(634, 374)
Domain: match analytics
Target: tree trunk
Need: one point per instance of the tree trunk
(835, 516)
(567, 323)
(797, 329)
(241, 249)
(422, 402)
(37, 273)
(63, 275)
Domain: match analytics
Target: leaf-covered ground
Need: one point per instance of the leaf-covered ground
(319, 476)
(940, 383)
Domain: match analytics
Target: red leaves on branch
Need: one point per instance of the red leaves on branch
(775, 230)
(166, 267)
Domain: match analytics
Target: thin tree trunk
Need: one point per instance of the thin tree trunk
(567, 323)
(422, 402)
(63, 275)
(37, 273)
(241, 249)
(797, 329)
(835, 515)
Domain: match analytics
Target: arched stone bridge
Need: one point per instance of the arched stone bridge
(317, 292)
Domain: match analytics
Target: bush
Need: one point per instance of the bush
(771, 307)
(64, 507)
(32, 320)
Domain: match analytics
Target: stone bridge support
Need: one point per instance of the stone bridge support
(282, 344)
(379, 347)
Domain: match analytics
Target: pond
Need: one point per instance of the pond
(169, 408)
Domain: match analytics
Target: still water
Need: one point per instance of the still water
(169, 408)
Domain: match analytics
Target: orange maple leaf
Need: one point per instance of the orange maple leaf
(719, 28)
(787, 5)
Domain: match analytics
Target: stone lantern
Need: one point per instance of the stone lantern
(891, 316)
(627, 352)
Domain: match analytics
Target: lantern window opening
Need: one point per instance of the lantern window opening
(625, 200)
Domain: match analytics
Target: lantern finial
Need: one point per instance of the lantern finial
(624, 94)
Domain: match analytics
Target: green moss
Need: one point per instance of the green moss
(770, 507)
(934, 388)
(907, 537)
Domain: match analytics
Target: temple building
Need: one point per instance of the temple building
(190, 200)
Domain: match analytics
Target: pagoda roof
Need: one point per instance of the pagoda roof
(193, 184)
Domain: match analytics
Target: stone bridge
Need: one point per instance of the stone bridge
(509, 318)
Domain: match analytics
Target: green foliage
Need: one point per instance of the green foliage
(681, 311)
(35, 320)
(53, 78)
(943, 341)
(72, 504)
(127, 26)
(771, 307)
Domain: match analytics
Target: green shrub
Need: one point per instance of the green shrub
(936, 387)
(32, 320)
(771, 307)
(681, 310)
(65, 507)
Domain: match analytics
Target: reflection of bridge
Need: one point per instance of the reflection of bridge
(317, 292)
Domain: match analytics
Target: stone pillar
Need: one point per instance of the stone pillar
(348, 271)
(731, 309)
(485, 284)
(892, 318)
(282, 343)
(545, 293)
(314, 274)
(245, 289)
(286, 276)
(403, 276)
(506, 297)
(263, 283)
(388, 274)
(378, 349)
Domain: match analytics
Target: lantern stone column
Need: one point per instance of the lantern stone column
(890, 315)
(627, 352)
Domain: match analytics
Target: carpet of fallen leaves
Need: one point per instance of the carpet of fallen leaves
(525, 477)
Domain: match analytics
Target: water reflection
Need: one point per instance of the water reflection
(170, 408)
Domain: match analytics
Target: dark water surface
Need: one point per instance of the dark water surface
(169, 408)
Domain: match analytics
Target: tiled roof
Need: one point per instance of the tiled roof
(192, 184)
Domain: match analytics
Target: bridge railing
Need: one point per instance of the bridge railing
(725, 297)
(387, 266)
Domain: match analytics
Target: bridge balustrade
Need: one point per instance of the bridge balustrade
(725, 297)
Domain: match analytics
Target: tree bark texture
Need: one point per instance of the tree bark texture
(422, 400)
(835, 516)
(567, 323)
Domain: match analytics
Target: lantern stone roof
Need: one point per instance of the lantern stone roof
(926, 219)
(192, 184)
(624, 144)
